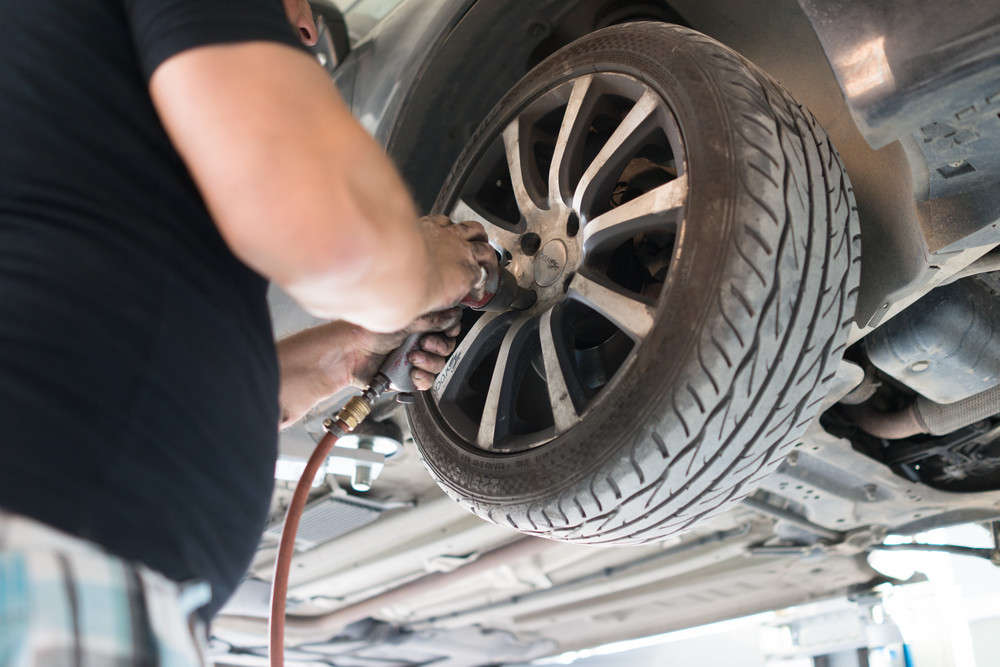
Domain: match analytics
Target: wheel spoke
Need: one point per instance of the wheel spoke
(499, 236)
(518, 176)
(659, 209)
(467, 355)
(462, 211)
(572, 132)
(673, 132)
(564, 412)
(609, 162)
(498, 413)
(633, 315)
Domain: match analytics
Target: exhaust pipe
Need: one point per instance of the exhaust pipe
(926, 416)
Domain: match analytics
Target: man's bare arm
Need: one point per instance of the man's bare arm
(301, 193)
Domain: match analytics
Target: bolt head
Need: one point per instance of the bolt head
(362, 479)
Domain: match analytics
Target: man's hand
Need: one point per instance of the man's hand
(458, 252)
(319, 362)
(372, 348)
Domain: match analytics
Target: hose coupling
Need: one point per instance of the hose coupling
(354, 412)
(359, 407)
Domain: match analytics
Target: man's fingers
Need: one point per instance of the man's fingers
(443, 320)
(426, 361)
(422, 380)
(484, 253)
(432, 355)
(471, 231)
(439, 345)
(438, 219)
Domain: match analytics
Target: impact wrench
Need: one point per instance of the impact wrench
(500, 292)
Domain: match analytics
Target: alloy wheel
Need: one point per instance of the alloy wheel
(583, 196)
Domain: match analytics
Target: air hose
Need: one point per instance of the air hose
(352, 414)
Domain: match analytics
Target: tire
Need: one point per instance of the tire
(695, 290)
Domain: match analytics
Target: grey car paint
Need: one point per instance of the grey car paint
(378, 77)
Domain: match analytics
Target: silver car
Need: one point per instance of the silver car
(762, 235)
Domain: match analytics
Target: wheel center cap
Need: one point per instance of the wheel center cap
(550, 262)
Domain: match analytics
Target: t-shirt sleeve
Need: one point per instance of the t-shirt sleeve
(163, 28)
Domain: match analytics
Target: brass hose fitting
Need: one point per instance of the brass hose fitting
(354, 412)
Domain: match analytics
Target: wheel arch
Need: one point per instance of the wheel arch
(467, 72)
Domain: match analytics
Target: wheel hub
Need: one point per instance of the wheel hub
(546, 259)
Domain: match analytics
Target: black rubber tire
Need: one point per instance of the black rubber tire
(750, 328)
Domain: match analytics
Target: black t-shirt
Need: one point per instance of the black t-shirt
(138, 382)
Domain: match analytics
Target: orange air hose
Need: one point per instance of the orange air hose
(286, 547)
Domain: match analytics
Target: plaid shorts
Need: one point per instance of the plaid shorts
(65, 602)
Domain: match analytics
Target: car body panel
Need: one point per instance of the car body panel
(399, 44)
(903, 66)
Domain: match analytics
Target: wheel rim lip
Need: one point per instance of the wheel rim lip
(550, 224)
